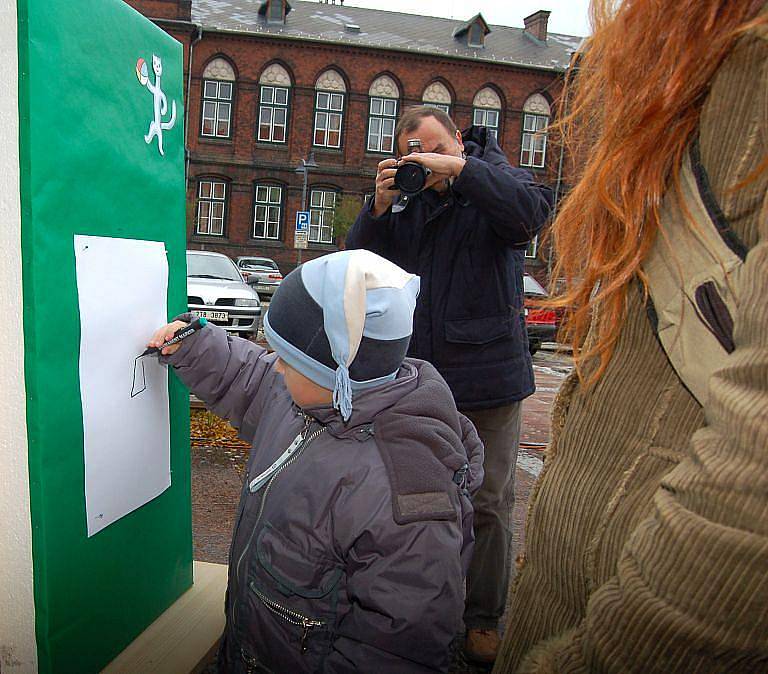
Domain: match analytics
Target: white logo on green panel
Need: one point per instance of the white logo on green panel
(160, 102)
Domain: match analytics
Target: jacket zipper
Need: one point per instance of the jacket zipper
(307, 440)
(289, 615)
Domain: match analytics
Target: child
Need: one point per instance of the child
(354, 528)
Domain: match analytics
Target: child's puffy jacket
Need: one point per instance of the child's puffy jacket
(352, 557)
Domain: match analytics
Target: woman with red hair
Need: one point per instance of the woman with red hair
(647, 534)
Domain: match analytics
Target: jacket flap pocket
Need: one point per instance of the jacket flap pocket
(294, 571)
(478, 330)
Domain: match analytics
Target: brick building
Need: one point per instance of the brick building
(274, 85)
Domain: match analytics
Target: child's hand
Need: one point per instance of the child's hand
(164, 334)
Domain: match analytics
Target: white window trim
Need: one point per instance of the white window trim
(323, 213)
(328, 112)
(211, 200)
(491, 128)
(218, 102)
(532, 245)
(528, 139)
(267, 205)
(272, 107)
(379, 146)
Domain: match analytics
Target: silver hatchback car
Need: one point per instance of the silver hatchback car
(216, 291)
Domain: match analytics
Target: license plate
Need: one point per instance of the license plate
(213, 315)
(262, 289)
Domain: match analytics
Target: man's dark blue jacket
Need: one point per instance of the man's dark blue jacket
(468, 247)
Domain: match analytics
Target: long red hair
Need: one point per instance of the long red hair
(629, 110)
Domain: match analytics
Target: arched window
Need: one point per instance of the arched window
(436, 95)
(533, 145)
(274, 85)
(212, 195)
(218, 94)
(382, 114)
(486, 110)
(267, 210)
(329, 109)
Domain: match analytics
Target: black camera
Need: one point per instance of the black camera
(410, 177)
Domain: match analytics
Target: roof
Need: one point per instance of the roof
(387, 30)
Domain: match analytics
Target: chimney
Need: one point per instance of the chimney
(536, 25)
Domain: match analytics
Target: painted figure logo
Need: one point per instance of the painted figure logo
(160, 102)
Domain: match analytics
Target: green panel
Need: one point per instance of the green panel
(86, 169)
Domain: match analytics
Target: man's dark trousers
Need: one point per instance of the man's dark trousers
(488, 578)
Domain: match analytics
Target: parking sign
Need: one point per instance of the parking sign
(301, 237)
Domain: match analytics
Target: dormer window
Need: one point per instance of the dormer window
(274, 11)
(473, 32)
(476, 36)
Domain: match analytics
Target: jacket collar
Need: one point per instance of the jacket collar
(367, 404)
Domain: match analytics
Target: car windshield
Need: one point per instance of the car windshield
(256, 263)
(212, 266)
(532, 287)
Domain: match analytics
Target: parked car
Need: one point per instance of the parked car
(261, 273)
(541, 324)
(216, 291)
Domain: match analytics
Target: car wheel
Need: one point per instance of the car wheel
(534, 345)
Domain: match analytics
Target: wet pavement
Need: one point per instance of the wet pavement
(218, 466)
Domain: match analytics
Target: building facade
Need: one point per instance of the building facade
(290, 106)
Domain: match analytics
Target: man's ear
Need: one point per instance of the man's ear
(459, 140)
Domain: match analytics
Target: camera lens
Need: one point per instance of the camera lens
(410, 178)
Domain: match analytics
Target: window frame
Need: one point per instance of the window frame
(217, 101)
(381, 116)
(273, 106)
(478, 30)
(445, 107)
(534, 242)
(269, 185)
(199, 199)
(528, 133)
(324, 189)
(329, 111)
(492, 129)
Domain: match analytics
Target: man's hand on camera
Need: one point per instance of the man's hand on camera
(443, 166)
(385, 179)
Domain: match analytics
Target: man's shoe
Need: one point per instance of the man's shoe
(482, 646)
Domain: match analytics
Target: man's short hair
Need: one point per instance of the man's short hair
(413, 116)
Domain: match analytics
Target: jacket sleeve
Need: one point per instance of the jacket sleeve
(225, 372)
(370, 232)
(515, 205)
(692, 581)
(405, 586)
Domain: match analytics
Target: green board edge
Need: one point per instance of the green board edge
(83, 173)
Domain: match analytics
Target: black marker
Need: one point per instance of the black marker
(180, 334)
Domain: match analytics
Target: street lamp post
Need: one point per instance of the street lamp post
(306, 164)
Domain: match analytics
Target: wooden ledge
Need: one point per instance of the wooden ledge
(183, 638)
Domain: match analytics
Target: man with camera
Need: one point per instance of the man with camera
(454, 211)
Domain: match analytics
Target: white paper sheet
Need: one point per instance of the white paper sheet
(122, 290)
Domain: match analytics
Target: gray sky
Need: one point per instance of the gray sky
(568, 16)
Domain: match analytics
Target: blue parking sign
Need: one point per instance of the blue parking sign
(302, 221)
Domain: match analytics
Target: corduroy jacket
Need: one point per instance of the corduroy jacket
(647, 534)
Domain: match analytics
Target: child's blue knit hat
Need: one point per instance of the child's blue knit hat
(344, 321)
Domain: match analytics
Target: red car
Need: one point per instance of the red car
(541, 324)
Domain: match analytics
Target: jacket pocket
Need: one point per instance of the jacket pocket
(299, 588)
(478, 330)
(294, 572)
(305, 624)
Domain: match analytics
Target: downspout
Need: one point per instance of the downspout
(199, 33)
(559, 182)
